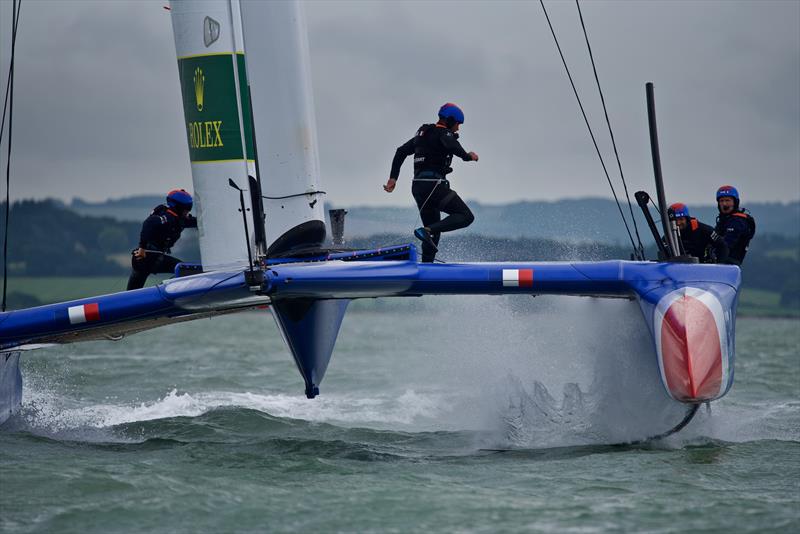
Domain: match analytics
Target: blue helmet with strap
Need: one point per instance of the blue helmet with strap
(451, 114)
(179, 198)
(678, 210)
(729, 191)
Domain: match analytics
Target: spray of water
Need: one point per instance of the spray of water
(554, 371)
(533, 372)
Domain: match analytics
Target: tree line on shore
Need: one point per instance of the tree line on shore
(48, 239)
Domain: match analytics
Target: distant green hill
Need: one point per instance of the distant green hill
(49, 239)
(123, 209)
(582, 220)
(579, 220)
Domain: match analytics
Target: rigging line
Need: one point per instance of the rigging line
(611, 132)
(15, 19)
(691, 411)
(10, 68)
(586, 120)
(655, 207)
(295, 195)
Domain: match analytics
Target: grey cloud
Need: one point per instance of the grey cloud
(98, 113)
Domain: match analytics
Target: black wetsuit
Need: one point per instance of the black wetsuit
(159, 233)
(433, 147)
(737, 229)
(699, 241)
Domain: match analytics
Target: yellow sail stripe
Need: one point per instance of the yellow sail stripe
(238, 52)
(222, 160)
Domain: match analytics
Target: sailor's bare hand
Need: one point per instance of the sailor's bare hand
(389, 187)
(139, 253)
(473, 155)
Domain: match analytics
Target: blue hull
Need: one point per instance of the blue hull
(689, 308)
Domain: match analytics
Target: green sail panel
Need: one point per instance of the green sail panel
(210, 108)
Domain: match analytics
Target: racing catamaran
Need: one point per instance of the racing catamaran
(244, 69)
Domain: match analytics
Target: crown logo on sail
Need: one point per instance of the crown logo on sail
(199, 87)
(210, 31)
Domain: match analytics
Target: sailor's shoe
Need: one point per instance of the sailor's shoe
(424, 235)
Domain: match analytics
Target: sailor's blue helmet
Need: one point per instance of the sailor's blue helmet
(677, 210)
(452, 112)
(179, 198)
(729, 191)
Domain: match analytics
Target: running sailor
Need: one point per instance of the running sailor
(434, 146)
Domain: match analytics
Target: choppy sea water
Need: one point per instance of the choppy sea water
(203, 427)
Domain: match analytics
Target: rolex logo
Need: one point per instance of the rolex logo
(199, 86)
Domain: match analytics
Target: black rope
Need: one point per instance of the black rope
(691, 411)
(655, 207)
(586, 120)
(11, 67)
(687, 418)
(296, 195)
(15, 20)
(640, 252)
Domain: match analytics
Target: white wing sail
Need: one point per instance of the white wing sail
(278, 71)
(217, 114)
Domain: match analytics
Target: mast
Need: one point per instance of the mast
(669, 233)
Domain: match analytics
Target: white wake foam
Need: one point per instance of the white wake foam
(45, 411)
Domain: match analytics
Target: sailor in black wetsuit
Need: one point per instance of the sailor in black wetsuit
(698, 239)
(160, 231)
(736, 226)
(434, 146)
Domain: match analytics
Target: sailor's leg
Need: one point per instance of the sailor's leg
(459, 215)
(152, 263)
(137, 279)
(429, 216)
(166, 264)
(140, 270)
(427, 195)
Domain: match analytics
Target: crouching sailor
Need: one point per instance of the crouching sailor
(434, 146)
(736, 226)
(698, 239)
(160, 231)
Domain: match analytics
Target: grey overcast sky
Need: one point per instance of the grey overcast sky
(97, 110)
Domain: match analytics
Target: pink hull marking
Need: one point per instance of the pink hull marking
(690, 350)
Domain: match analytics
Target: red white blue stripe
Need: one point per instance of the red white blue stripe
(84, 313)
(517, 277)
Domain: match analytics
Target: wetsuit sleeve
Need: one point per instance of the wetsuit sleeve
(454, 147)
(151, 229)
(710, 238)
(735, 229)
(190, 222)
(402, 153)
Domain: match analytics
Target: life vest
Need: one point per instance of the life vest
(430, 153)
(751, 222)
(738, 250)
(164, 235)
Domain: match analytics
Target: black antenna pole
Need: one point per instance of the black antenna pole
(662, 202)
(259, 217)
(642, 198)
(244, 219)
